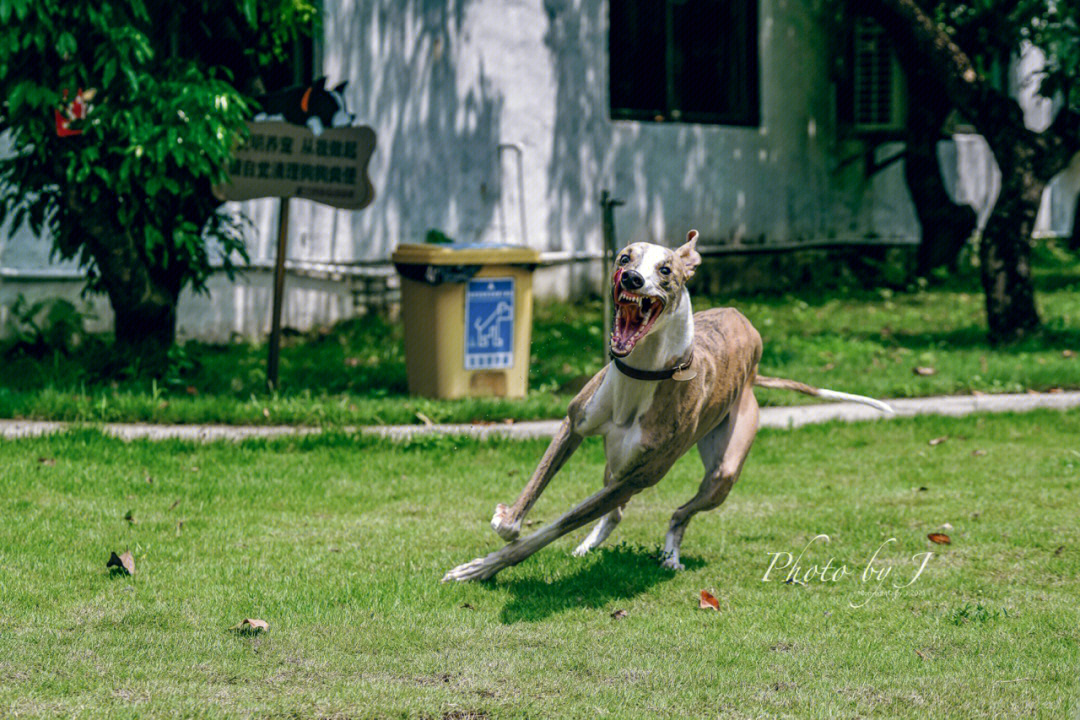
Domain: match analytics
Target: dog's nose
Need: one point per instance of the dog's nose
(632, 280)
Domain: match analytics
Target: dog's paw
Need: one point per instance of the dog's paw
(672, 563)
(478, 569)
(500, 523)
(581, 550)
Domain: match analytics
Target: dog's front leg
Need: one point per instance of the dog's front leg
(596, 506)
(507, 520)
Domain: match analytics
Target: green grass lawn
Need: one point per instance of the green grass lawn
(860, 341)
(339, 544)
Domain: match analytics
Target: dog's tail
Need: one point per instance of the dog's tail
(785, 384)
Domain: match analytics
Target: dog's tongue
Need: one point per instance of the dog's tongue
(633, 319)
(627, 323)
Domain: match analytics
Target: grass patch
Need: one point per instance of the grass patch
(861, 341)
(339, 543)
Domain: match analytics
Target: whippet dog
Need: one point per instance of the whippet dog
(676, 379)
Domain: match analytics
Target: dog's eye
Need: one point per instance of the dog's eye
(665, 270)
(624, 259)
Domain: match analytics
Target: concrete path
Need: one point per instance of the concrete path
(774, 417)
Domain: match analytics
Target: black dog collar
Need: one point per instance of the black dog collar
(681, 371)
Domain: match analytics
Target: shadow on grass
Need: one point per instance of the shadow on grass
(974, 337)
(617, 573)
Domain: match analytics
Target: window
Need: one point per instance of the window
(873, 92)
(684, 60)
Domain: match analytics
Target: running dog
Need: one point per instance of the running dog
(677, 379)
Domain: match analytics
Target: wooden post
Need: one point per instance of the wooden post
(607, 208)
(279, 292)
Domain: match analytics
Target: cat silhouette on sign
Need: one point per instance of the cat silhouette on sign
(312, 105)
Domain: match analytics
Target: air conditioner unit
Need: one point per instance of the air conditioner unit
(879, 99)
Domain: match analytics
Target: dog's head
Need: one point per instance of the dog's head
(647, 283)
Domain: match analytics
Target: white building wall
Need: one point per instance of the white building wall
(445, 84)
(465, 94)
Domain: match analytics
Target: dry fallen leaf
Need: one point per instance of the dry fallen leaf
(708, 602)
(619, 614)
(250, 625)
(923, 488)
(46, 461)
(173, 506)
(921, 654)
(939, 538)
(424, 418)
(123, 563)
(924, 371)
(938, 440)
(467, 606)
(1060, 550)
(978, 453)
(1068, 354)
(266, 412)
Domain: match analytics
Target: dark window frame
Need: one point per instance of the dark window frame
(749, 112)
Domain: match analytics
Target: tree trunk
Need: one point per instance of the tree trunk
(143, 299)
(145, 329)
(1005, 250)
(1074, 237)
(946, 226)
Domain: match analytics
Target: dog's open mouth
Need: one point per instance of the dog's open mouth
(634, 317)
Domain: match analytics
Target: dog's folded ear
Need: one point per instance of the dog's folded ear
(688, 253)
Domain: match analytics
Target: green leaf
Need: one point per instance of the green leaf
(65, 44)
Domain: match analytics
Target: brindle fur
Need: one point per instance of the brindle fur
(648, 425)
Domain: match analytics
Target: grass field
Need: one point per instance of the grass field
(867, 342)
(339, 544)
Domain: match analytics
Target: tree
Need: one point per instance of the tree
(957, 43)
(125, 191)
(946, 225)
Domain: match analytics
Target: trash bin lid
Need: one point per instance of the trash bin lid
(464, 254)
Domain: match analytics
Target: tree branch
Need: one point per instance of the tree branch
(920, 41)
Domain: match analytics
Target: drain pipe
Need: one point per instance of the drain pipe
(520, 153)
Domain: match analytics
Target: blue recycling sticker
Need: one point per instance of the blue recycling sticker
(489, 323)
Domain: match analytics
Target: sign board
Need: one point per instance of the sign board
(489, 324)
(284, 160)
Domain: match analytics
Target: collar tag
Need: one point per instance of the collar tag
(683, 375)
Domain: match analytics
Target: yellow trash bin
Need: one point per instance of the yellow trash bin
(467, 309)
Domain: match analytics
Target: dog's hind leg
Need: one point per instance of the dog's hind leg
(603, 528)
(723, 451)
(507, 520)
(598, 505)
